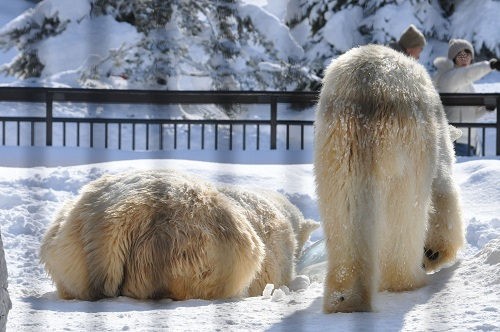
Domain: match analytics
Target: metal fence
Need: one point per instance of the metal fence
(113, 132)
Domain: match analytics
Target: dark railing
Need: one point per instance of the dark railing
(490, 101)
(298, 100)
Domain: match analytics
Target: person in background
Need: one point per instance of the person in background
(411, 42)
(456, 74)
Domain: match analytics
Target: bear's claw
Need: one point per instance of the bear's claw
(431, 255)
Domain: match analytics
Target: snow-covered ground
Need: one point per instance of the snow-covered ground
(463, 297)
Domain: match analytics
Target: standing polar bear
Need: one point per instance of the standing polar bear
(382, 162)
(165, 234)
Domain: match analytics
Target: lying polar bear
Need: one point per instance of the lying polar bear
(165, 234)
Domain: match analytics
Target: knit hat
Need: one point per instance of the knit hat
(457, 46)
(412, 37)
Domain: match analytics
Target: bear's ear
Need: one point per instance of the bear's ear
(455, 133)
(308, 226)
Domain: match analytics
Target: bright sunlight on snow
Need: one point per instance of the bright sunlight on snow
(464, 296)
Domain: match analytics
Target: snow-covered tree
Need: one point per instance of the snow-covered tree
(226, 44)
(328, 28)
(222, 45)
(383, 24)
(25, 35)
(478, 22)
(325, 28)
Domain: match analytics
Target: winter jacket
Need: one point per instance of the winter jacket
(451, 79)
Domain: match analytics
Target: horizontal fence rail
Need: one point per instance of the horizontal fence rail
(169, 132)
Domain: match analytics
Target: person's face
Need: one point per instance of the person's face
(414, 52)
(463, 59)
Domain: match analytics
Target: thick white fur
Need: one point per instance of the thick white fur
(156, 234)
(281, 227)
(383, 162)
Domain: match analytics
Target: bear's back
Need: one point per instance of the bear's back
(375, 81)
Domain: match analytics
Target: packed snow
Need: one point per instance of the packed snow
(463, 297)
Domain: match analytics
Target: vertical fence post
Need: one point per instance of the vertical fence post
(48, 117)
(274, 122)
(498, 127)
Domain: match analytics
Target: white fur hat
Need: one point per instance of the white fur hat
(457, 46)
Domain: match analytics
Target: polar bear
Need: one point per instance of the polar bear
(166, 234)
(282, 228)
(383, 169)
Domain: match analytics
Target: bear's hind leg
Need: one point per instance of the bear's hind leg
(353, 272)
(445, 235)
(346, 290)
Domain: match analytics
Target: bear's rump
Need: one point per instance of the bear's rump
(183, 260)
(152, 235)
